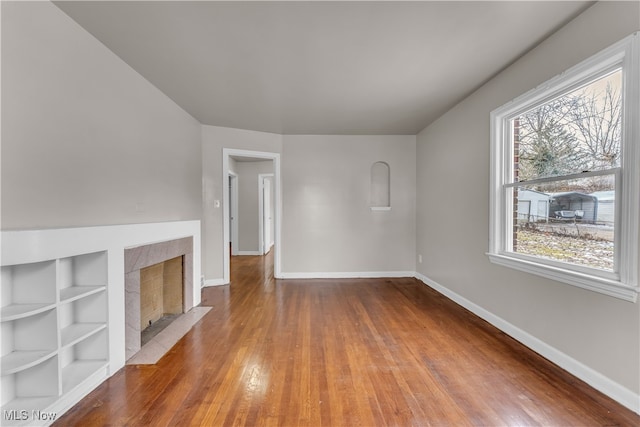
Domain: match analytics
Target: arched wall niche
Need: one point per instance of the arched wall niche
(380, 186)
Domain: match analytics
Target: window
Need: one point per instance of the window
(565, 175)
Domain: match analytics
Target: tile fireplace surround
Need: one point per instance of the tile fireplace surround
(140, 257)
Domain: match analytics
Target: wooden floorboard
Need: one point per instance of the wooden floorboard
(357, 352)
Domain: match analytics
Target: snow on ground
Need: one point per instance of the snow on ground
(591, 252)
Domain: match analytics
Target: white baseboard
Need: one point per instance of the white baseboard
(346, 275)
(67, 401)
(241, 253)
(213, 282)
(617, 392)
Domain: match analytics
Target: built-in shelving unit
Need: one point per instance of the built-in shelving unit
(62, 312)
(54, 319)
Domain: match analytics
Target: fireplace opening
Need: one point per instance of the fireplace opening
(161, 296)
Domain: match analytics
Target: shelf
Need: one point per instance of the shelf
(73, 293)
(29, 403)
(32, 283)
(81, 275)
(78, 371)
(76, 332)
(19, 311)
(20, 360)
(29, 339)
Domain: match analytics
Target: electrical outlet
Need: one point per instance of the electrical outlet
(420, 259)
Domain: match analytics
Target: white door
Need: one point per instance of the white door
(266, 212)
(524, 210)
(233, 213)
(543, 210)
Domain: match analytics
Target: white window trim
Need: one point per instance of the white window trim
(623, 283)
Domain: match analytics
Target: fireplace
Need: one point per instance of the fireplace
(161, 296)
(158, 284)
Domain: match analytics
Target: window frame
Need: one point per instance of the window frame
(623, 282)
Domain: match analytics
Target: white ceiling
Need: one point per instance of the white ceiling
(320, 67)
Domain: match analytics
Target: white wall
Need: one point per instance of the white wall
(85, 139)
(214, 139)
(327, 224)
(600, 332)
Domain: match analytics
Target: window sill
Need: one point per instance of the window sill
(601, 285)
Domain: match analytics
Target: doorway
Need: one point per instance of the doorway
(233, 156)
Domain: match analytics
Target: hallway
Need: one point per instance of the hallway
(342, 353)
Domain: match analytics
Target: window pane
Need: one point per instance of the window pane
(570, 221)
(576, 132)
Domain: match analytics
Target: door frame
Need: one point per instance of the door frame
(262, 244)
(226, 255)
(233, 206)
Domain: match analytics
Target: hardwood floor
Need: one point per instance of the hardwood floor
(358, 352)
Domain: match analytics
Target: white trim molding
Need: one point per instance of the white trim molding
(213, 282)
(601, 285)
(347, 275)
(250, 253)
(595, 379)
(226, 154)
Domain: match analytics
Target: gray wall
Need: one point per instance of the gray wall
(214, 139)
(327, 224)
(85, 139)
(348, 237)
(601, 332)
